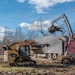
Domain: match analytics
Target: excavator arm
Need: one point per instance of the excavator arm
(15, 45)
(55, 28)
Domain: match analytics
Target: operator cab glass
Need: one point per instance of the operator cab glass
(24, 51)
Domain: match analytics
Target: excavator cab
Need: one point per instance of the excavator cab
(24, 51)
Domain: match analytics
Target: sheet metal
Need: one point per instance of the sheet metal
(53, 41)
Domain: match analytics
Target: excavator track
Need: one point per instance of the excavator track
(20, 61)
(67, 60)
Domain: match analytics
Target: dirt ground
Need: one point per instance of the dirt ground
(45, 67)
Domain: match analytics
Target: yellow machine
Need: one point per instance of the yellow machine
(19, 53)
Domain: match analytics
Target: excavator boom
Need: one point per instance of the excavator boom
(67, 24)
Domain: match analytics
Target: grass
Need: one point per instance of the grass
(6, 68)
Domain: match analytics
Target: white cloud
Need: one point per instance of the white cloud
(46, 22)
(2, 30)
(37, 25)
(1, 36)
(41, 5)
(23, 24)
(21, 1)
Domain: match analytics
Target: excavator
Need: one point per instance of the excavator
(18, 53)
(69, 54)
(53, 28)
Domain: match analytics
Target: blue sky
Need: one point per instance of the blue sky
(14, 13)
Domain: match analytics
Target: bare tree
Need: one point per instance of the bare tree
(8, 36)
(19, 36)
(32, 34)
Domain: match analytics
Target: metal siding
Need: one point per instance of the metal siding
(55, 44)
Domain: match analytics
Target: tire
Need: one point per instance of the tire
(54, 56)
(49, 56)
(59, 56)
